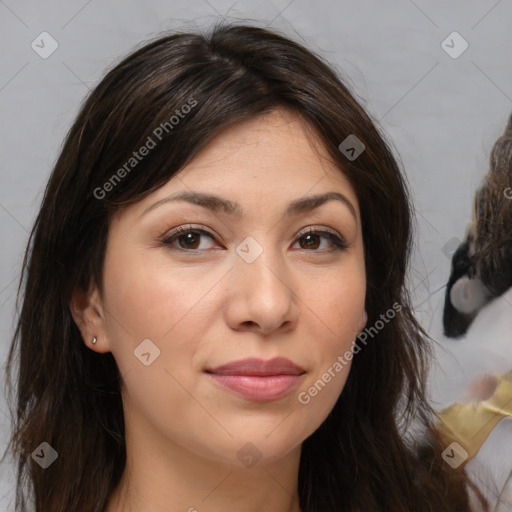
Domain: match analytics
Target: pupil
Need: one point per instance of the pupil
(189, 238)
(310, 238)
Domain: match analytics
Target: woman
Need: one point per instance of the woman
(224, 219)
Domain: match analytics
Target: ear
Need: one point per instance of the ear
(88, 313)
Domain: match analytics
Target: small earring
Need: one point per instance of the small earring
(94, 340)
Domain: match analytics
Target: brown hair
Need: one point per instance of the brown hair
(492, 218)
(361, 457)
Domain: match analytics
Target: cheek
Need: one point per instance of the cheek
(337, 303)
(149, 300)
(334, 310)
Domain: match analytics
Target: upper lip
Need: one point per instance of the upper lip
(254, 366)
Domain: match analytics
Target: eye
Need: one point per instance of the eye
(311, 234)
(189, 240)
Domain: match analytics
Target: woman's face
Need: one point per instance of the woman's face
(254, 284)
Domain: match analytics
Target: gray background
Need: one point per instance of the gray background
(442, 114)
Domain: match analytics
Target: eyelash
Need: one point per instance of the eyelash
(338, 242)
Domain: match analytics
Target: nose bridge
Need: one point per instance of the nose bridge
(261, 271)
(260, 262)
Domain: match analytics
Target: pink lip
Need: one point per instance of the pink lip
(258, 380)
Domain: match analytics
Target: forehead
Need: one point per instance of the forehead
(279, 136)
(277, 153)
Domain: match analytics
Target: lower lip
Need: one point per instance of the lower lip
(258, 388)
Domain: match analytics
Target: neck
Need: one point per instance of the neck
(165, 477)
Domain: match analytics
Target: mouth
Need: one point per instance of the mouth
(258, 380)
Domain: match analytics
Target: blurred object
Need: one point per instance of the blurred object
(483, 388)
(469, 425)
(505, 500)
(468, 295)
(482, 264)
(464, 373)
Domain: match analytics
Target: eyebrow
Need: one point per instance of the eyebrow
(216, 203)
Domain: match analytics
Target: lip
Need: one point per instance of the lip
(258, 380)
(258, 367)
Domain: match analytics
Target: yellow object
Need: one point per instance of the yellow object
(470, 425)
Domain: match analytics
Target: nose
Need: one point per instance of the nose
(261, 296)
